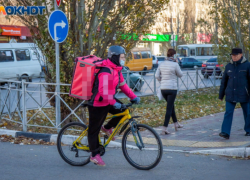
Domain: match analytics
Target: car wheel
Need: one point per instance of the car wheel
(142, 73)
(25, 78)
(2, 84)
(206, 76)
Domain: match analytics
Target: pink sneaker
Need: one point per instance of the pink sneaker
(97, 160)
(108, 132)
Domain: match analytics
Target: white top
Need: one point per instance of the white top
(167, 74)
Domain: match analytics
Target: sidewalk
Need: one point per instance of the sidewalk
(199, 135)
(204, 133)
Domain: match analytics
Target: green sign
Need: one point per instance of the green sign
(158, 37)
(151, 37)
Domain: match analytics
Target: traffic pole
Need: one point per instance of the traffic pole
(58, 103)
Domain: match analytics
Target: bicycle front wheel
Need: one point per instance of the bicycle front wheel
(142, 147)
(70, 152)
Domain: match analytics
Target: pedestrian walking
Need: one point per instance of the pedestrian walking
(167, 74)
(235, 85)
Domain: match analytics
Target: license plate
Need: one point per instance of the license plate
(210, 67)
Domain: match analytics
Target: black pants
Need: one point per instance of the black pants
(169, 96)
(97, 116)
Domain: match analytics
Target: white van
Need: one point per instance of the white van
(19, 59)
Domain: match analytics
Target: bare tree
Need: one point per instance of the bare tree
(93, 24)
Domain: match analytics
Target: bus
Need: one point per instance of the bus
(201, 52)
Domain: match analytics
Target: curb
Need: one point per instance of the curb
(49, 137)
(242, 152)
(8, 132)
(44, 137)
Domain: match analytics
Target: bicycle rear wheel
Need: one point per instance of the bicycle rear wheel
(69, 152)
(149, 154)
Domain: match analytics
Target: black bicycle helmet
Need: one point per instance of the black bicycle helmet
(115, 50)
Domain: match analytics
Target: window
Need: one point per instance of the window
(204, 51)
(161, 58)
(35, 54)
(145, 54)
(6, 56)
(192, 52)
(137, 55)
(192, 60)
(212, 60)
(129, 56)
(153, 57)
(183, 51)
(184, 60)
(22, 55)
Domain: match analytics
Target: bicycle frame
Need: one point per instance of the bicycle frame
(126, 116)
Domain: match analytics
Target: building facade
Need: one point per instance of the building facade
(13, 31)
(178, 21)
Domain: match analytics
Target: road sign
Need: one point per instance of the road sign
(58, 26)
(58, 2)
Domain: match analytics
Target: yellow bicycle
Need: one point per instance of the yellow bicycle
(141, 145)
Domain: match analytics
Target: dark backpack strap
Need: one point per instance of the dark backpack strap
(99, 60)
(117, 87)
(104, 69)
(96, 83)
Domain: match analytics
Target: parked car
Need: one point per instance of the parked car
(161, 59)
(190, 63)
(209, 66)
(136, 81)
(179, 61)
(155, 61)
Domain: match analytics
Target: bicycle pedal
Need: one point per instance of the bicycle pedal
(106, 137)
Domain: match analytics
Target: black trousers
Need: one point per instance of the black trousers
(97, 116)
(169, 96)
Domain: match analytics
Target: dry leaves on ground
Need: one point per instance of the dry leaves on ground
(188, 105)
(24, 140)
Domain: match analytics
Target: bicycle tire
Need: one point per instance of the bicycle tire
(125, 152)
(59, 145)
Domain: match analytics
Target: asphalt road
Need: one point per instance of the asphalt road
(37, 162)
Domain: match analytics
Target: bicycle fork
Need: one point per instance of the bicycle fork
(135, 131)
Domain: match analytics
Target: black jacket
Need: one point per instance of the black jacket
(235, 81)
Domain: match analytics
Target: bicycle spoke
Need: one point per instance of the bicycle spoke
(70, 140)
(148, 154)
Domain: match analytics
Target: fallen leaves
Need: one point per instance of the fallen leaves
(188, 105)
(21, 140)
(3, 124)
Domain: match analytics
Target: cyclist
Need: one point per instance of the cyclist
(103, 100)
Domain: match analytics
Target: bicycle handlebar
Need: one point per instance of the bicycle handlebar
(125, 106)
